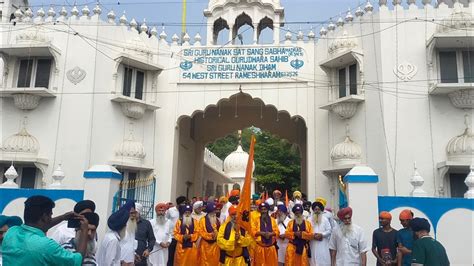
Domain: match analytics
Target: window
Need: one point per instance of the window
(34, 72)
(133, 82)
(347, 81)
(457, 185)
(26, 176)
(456, 66)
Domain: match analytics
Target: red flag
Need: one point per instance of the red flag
(243, 209)
(287, 201)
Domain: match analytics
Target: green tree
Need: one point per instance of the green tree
(277, 162)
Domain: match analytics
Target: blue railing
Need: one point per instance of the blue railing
(141, 190)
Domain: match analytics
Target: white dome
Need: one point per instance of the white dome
(22, 144)
(461, 148)
(235, 163)
(346, 152)
(130, 150)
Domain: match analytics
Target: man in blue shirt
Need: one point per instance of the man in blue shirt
(28, 245)
(405, 237)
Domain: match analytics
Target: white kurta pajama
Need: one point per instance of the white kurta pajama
(128, 245)
(320, 255)
(159, 255)
(108, 253)
(348, 247)
(282, 243)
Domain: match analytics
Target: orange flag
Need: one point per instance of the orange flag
(243, 209)
(287, 201)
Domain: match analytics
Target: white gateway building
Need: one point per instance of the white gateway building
(386, 85)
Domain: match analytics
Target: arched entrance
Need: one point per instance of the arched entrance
(216, 121)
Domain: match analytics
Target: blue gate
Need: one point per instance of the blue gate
(141, 190)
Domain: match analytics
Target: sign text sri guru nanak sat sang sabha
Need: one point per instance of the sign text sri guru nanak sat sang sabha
(241, 63)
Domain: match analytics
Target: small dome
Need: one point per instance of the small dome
(346, 152)
(461, 148)
(235, 163)
(22, 143)
(130, 150)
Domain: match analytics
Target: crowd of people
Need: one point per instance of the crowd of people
(207, 232)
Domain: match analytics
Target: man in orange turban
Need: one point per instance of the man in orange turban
(405, 237)
(161, 229)
(233, 242)
(186, 233)
(265, 231)
(208, 228)
(384, 241)
(299, 232)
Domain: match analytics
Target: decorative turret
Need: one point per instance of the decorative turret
(85, 11)
(97, 10)
(74, 11)
(111, 16)
(349, 18)
(123, 19)
(368, 7)
(235, 163)
(331, 25)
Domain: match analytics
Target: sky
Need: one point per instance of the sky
(299, 14)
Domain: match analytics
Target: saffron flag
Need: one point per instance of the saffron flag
(287, 201)
(243, 209)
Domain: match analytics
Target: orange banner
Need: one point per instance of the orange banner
(243, 210)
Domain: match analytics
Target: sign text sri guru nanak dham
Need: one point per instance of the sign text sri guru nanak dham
(224, 63)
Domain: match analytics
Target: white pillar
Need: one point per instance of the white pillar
(362, 197)
(102, 182)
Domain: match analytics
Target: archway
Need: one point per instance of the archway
(227, 116)
(243, 30)
(220, 28)
(265, 31)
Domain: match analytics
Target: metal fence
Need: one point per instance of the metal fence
(141, 190)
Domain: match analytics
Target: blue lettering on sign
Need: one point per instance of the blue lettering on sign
(241, 63)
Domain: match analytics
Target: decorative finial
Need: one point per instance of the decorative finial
(58, 176)
(470, 184)
(368, 7)
(153, 31)
(133, 24)
(85, 11)
(382, 2)
(40, 13)
(331, 25)
(10, 175)
(51, 12)
(63, 12)
(74, 11)
(311, 34)
(417, 182)
(349, 17)
(323, 31)
(97, 10)
(340, 22)
(143, 27)
(18, 14)
(288, 36)
(163, 34)
(359, 12)
(123, 19)
(111, 16)
(300, 35)
(239, 132)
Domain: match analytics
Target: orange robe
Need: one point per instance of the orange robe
(233, 248)
(254, 215)
(291, 258)
(209, 251)
(186, 256)
(264, 254)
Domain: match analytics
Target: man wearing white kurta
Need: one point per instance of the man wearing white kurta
(128, 244)
(322, 232)
(282, 220)
(160, 225)
(347, 244)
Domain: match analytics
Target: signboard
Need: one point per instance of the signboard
(241, 63)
